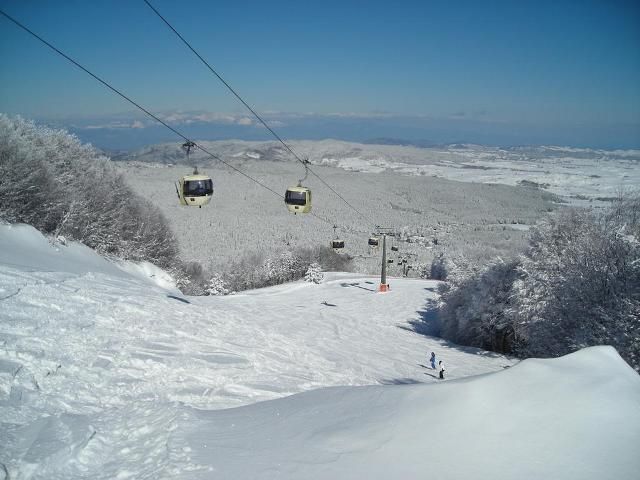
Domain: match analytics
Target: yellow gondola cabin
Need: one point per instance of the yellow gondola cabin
(298, 199)
(195, 190)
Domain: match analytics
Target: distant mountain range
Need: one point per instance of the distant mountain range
(129, 131)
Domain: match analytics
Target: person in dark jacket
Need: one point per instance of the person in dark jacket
(441, 369)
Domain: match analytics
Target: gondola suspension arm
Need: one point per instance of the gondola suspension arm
(306, 172)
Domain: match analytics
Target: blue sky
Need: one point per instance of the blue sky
(488, 72)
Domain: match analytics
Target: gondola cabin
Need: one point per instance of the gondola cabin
(337, 244)
(298, 199)
(373, 241)
(195, 190)
(394, 248)
(390, 260)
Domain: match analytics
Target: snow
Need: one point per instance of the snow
(148, 271)
(107, 371)
(582, 175)
(465, 197)
(570, 418)
(466, 218)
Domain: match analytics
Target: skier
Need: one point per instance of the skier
(433, 360)
(441, 369)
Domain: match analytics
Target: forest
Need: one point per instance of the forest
(577, 284)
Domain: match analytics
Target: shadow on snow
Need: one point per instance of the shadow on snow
(357, 285)
(399, 381)
(428, 325)
(183, 300)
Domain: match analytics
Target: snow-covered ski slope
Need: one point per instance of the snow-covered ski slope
(107, 371)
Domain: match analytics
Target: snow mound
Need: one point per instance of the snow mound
(150, 273)
(575, 417)
(24, 248)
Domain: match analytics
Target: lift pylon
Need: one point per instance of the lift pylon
(384, 286)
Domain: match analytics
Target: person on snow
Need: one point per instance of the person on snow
(441, 369)
(433, 360)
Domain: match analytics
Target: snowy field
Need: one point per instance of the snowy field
(107, 371)
(434, 215)
(578, 174)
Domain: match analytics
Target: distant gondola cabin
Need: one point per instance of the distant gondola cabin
(373, 242)
(195, 190)
(337, 244)
(298, 199)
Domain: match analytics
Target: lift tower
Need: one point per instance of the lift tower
(384, 286)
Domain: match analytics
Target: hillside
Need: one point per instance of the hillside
(106, 371)
(432, 214)
(458, 200)
(574, 173)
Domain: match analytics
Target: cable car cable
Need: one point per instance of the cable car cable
(115, 90)
(321, 219)
(305, 163)
(147, 112)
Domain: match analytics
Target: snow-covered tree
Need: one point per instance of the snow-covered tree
(577, 285)
(580, 285)
(475, 311)
(314, 274)
(217, 286)
(62, 187)
(253, 270)
(439, 268)
(283, 268)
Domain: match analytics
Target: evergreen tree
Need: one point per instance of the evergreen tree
(314, 274)
(217, 286)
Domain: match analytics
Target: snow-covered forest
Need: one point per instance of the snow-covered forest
(428, 214)
(576, 285)
(66, 189)
(71, 191)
